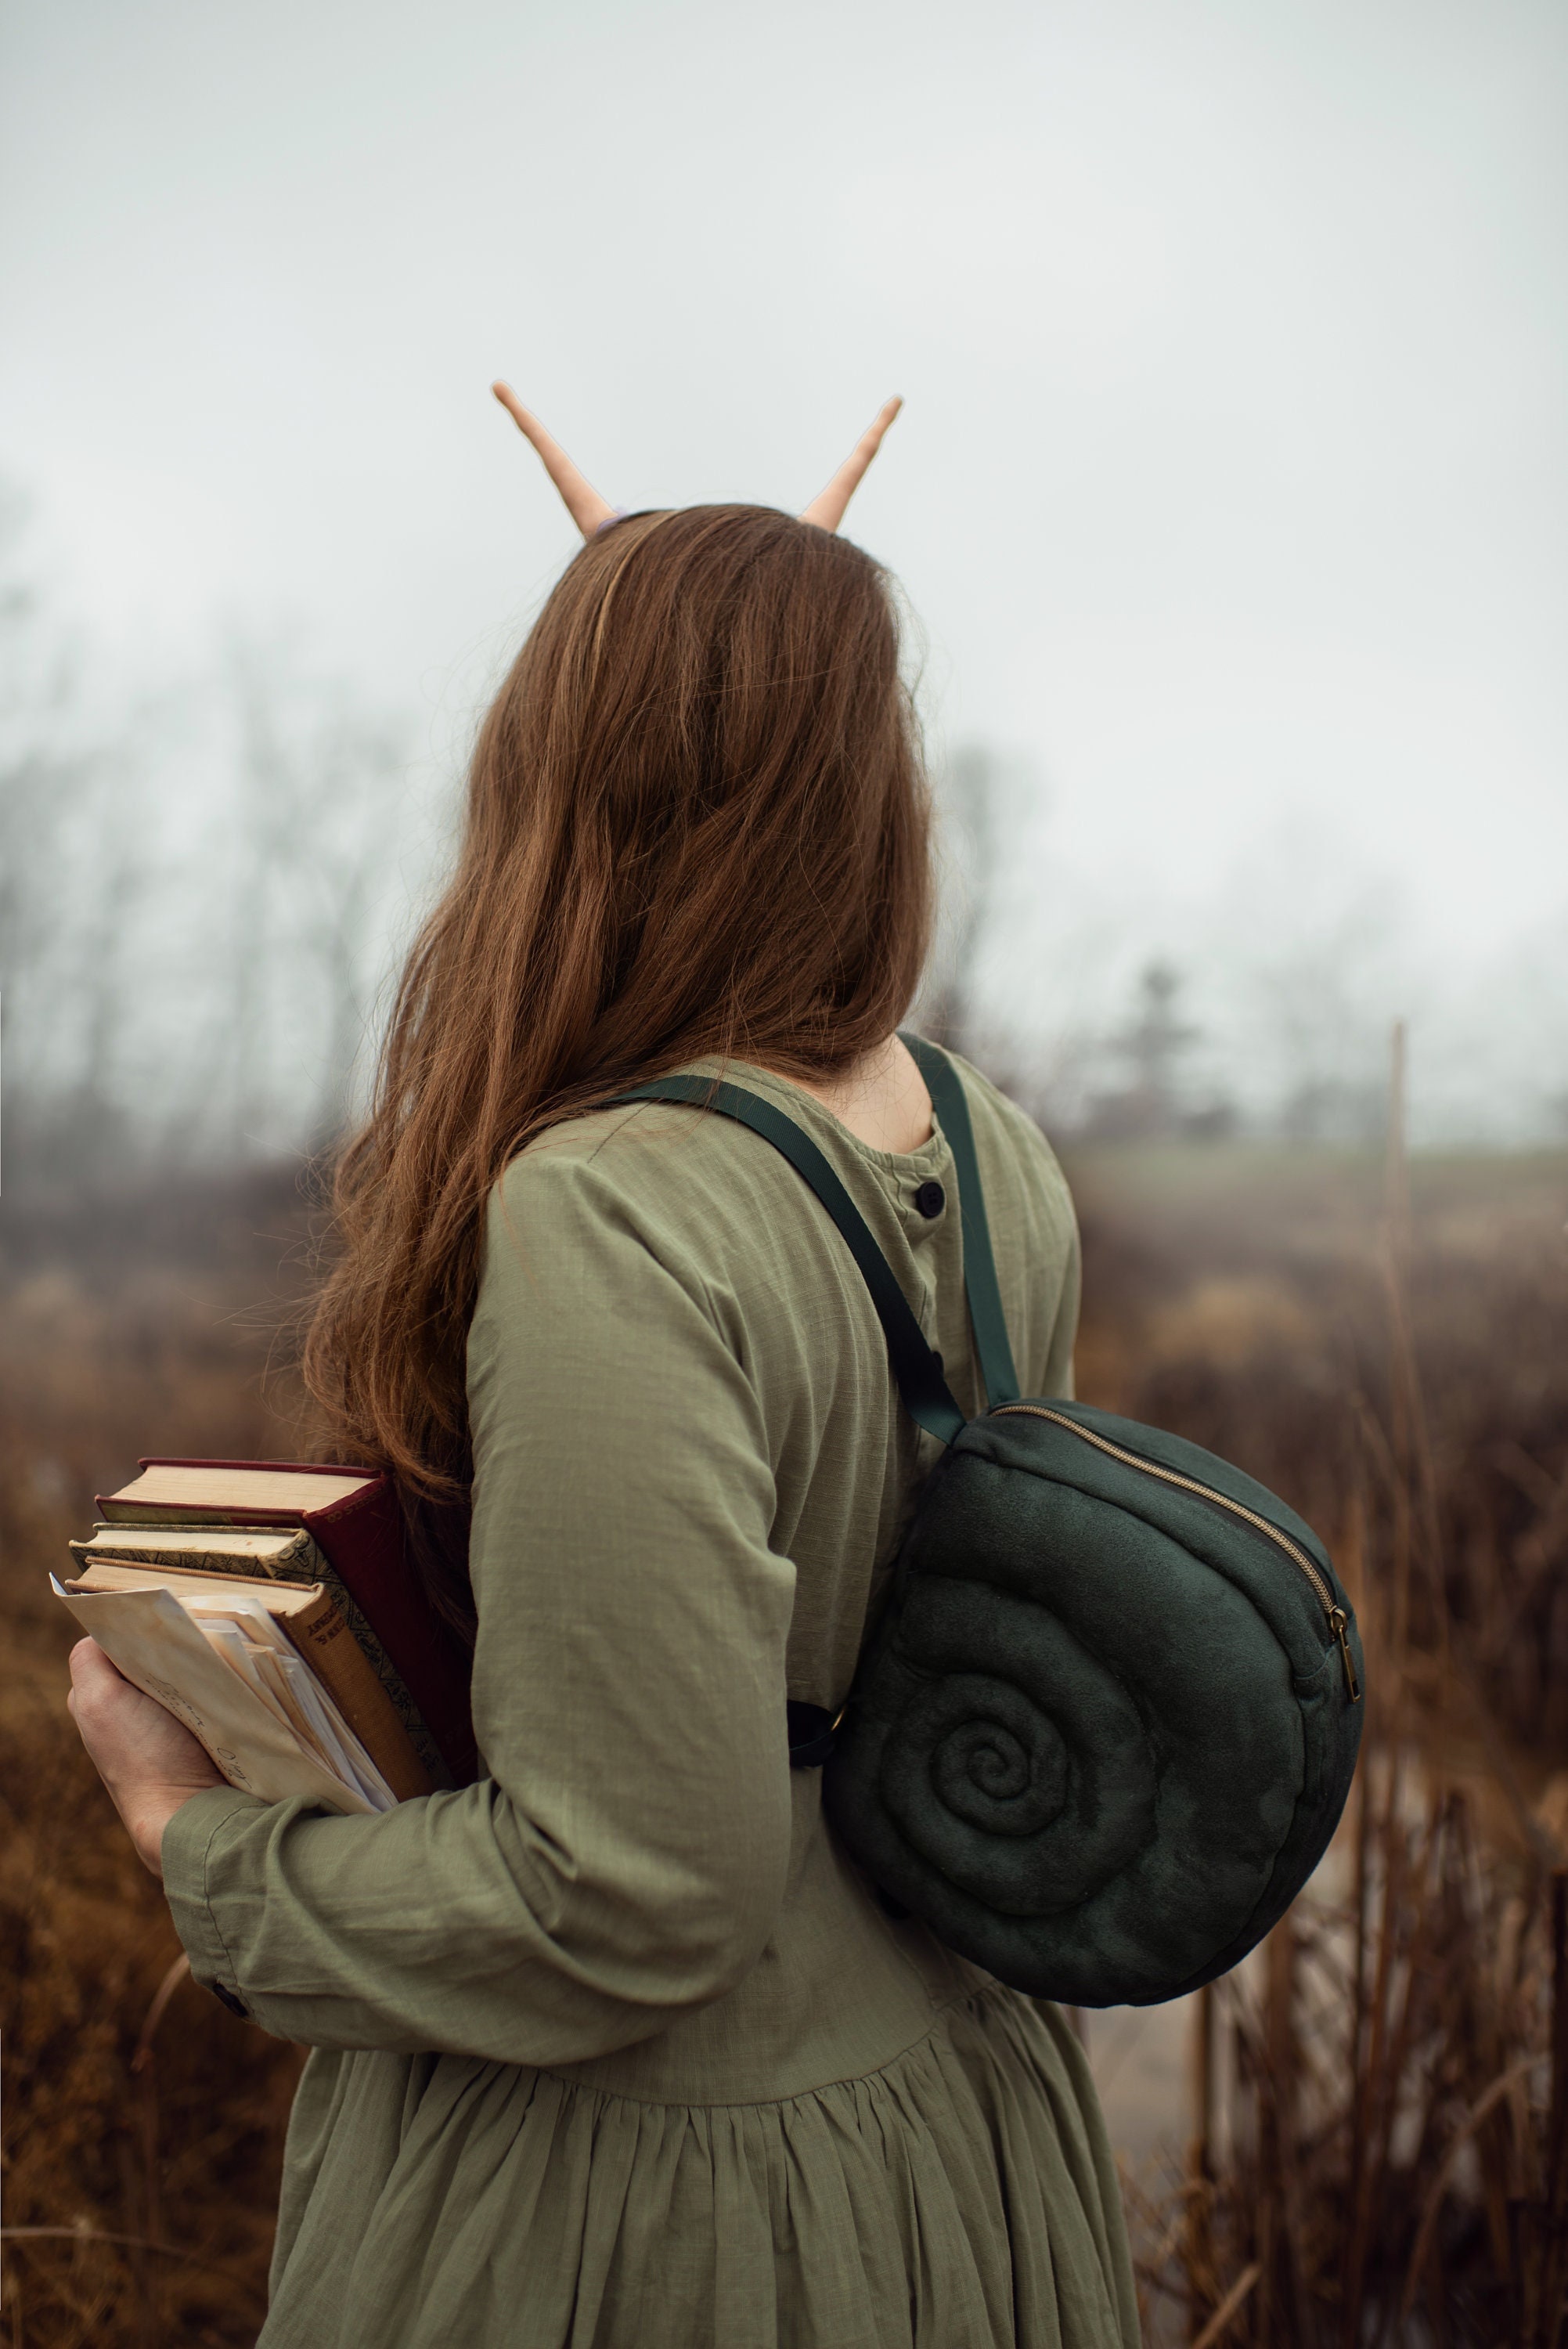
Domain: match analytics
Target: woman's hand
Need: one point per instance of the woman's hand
(149, 1763)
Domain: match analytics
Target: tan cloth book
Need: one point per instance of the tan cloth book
(314, 1633)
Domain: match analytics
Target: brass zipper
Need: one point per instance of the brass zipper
(1338, 1621)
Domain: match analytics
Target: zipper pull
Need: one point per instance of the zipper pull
(1337, 1622)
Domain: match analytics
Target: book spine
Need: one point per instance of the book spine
(362, 1540)
(385, 1669)
(325, 1640)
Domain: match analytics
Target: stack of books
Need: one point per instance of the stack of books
(271, 1607)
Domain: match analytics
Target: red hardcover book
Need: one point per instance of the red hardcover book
(358, 1528)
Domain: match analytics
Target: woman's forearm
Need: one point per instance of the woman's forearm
(449, 1924)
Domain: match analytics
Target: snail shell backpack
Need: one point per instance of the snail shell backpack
(1106, 1721)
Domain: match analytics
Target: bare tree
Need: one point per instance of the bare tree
(63, 862)
(197, 901)
(305, 861)
(1322, 1017)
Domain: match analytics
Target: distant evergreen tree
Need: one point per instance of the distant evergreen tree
(1153, 1047)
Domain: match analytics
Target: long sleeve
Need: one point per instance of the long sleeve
(624, 1859)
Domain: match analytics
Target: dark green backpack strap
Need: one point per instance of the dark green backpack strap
(915, 1367)
(991, 1348)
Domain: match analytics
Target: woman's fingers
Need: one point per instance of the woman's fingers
(127, 1731)
(150, 1761)
(826, 508)
(587, 509)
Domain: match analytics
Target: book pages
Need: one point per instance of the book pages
(218, 1485)
(285, 1551)
(266, 1664)
(149, 1637)
(332, 1732)
(262, 1653)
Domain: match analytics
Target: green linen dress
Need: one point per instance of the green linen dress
(614, 2049)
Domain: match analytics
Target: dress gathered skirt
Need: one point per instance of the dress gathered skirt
(922, 2203)
(616, 2048)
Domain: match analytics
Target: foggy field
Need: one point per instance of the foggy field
(1412, 1399)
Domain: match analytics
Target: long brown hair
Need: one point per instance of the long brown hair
(696, 823)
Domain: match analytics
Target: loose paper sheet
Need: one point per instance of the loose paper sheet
(265, 1655)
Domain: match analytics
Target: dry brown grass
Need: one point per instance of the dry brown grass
(140, 2164)
(1349, 2180)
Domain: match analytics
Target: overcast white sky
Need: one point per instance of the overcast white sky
(1232, 486)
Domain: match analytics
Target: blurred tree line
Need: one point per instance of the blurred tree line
(198, 896)
(204, 895)
(1269, 1016)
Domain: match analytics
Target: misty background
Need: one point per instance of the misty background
(1228, 504)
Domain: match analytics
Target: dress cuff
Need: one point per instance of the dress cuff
(187, 1840)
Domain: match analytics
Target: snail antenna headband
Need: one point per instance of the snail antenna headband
(590, 511)
(587, 509)
(826, 508)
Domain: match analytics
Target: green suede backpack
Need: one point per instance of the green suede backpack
(1108, 1720)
